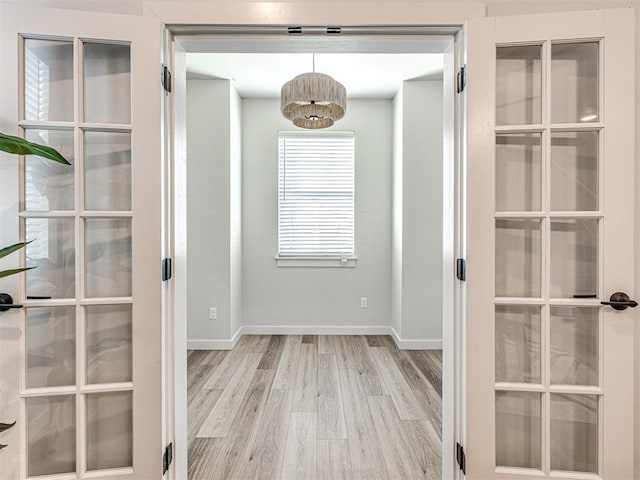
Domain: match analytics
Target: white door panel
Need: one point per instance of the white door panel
(550, 235)
(80, 365)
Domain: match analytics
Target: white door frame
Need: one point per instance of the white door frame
(181, 17)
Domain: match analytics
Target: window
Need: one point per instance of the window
(316, 194)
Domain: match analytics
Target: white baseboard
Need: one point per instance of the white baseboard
(424, 344)
(215, 344)
(315, 330)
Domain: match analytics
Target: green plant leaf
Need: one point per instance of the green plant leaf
(6, 426)
(3, 427)
(12, 248)
(20, 146)
(7, 273)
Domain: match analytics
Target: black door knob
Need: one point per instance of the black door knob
(6, 302)
(620, 301)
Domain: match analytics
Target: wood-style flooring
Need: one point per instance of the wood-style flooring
(307, 407)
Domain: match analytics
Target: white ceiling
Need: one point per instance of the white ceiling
(363, 75)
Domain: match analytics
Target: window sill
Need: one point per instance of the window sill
(319, 262)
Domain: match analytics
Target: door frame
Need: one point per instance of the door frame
(184, 18)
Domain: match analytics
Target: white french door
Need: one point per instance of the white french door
(550, 236)
(81, 363)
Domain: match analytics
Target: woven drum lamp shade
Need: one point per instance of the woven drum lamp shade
(313, 100)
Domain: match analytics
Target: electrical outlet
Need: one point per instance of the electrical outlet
(213, 313)
(363, 302)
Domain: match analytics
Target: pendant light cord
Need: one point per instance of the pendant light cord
(313, 62)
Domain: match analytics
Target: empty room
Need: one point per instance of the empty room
(319, 240)
(315, 259)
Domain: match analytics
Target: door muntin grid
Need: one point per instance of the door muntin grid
(77, 348)
(548, 234)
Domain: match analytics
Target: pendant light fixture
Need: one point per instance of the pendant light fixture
(313, 100)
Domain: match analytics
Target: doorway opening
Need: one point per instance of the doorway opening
(314, 344)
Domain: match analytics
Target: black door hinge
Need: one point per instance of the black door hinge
(167, 458)
(461, 80)
(167, 272)
(461, 269)
(461, 458)
(165, 78)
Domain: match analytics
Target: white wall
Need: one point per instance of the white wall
(422, 248)
(274, 296)
(213, 209)
(125, 7)
(417, 249)
(247, 286)
(235, 210)
(396, 218)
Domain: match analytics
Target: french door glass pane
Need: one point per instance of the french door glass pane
(107, 170)
(574, 171)
(550, 167)
(51, 435)
(48, 80)
(49, 185)
(574, 345)
(574, 432)
(109, 430)
(518, 172)
(60, 75)
(52, 252)
(518, 429)
(108, 257)
(108, 329)
(574, 82)
(518, 259)
(518, 85)
(574, 257)
(51, 346)
(107, 83)
(517, 344)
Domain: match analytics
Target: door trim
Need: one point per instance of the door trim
(175, 138)
(176, 14)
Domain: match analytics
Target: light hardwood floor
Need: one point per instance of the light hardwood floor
(315, 407)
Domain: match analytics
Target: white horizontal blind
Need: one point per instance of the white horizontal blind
(36, 96)
(316, 194)
(36, 104)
